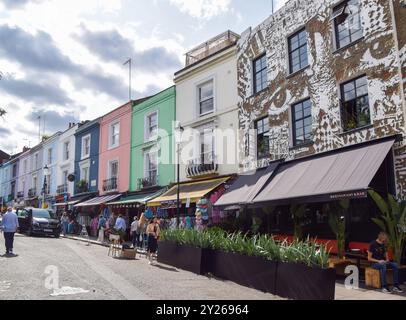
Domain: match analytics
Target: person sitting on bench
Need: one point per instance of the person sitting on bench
(378, 255)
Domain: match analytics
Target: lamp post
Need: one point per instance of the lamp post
(179, 130)
(46, 173)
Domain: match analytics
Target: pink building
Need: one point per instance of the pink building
(115, 144)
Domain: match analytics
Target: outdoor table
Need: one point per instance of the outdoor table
(358, 256)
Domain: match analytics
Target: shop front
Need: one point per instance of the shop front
(302, 196)
(86, 213)
(196, 201)
(133, 206)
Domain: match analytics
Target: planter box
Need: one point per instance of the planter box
(300, 282)
(253, 272)
(183, 257)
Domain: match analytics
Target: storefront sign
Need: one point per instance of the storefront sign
(349, 195)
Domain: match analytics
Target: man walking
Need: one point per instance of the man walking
(9, 227)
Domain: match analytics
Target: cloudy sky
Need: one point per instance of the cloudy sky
(63, 59)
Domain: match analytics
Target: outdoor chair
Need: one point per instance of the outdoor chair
(115, 247)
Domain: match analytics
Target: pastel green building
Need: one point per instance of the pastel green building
(152, 155)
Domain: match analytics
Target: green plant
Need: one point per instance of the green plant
(351, 124)
(298, 212)
(264, 246)
(392, 221)
(337, 213)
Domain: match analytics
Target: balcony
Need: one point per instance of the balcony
(32, 192)
(20, 195)
(210, 47)
(110, 185)
(148, 182)
(62, 189)
(82, 187)
(205, 165)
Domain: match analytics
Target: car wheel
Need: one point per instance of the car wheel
(29, 232)
(57, 235)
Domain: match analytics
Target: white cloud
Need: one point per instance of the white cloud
(204, 9)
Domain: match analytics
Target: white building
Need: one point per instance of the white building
(206, 108)
(66, 160)
(24, 176)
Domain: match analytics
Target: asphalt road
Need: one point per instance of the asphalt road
(60, 269)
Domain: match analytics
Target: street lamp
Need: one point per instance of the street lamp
(44, 187)
(179, 130)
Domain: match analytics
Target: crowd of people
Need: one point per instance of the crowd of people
(144, 233)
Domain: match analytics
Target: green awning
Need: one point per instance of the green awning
(141, 198)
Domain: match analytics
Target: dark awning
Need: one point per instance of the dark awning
(73, 200)
(246, 187)
(326, 177)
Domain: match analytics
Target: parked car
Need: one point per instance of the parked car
(38, 221)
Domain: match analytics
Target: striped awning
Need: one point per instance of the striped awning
(192, 191)
(98, 201)
(138, 198)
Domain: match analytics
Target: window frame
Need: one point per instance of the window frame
(49, 156)
(262, 134)
(109, 171)
(344, 5)
(290, 51)
(303, 118)
(147, 170)
(343, 102)
(147, 133)
(112, 135)
(66, 150)
(84, 138)
(200, 100)
(255, 72)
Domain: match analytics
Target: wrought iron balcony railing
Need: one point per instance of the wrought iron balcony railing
(206, 164)
(110, 184)
(62, 189)
(32, 192)
(148, 182)
(20, 195)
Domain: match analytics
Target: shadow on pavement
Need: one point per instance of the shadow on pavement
(9, 255)
(165, 268)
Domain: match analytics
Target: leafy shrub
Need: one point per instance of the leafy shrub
(264, 246)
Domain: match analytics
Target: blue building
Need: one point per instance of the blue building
(9, 180)
(87, 139)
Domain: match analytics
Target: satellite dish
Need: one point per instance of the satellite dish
(71, 178)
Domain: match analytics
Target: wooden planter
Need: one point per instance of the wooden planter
(300, 282)
(253, 272)
(183, 257)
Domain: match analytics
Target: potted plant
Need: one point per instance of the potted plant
(392, 221)
(337, 223)
(184, 249)
(82, 186)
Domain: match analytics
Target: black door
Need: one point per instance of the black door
(23, 219)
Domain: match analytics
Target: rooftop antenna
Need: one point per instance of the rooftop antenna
(272, 6)
(129, 62)
(39, 129)
(43, 128)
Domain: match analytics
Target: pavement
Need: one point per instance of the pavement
(65, 269)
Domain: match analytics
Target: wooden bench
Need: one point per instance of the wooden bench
(373, 277)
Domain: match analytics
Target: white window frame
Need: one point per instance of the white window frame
(84, 138)
(147, 135)
(197, 152)
(66, 150)
(34, 178)
(36, 161)
(146, 163)
(111, 126)
(49, 156)
(65, 178)
(109, 176)
(25, 165)
(198, 85)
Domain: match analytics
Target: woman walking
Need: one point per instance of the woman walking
(153, 232)
(65, 223)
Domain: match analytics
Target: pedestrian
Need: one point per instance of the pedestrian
(101, 227)
(135, 232)
(65, 223)
(153, 232)
(9, 226)
(120, 227)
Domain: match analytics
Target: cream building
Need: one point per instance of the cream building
(206, 109)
